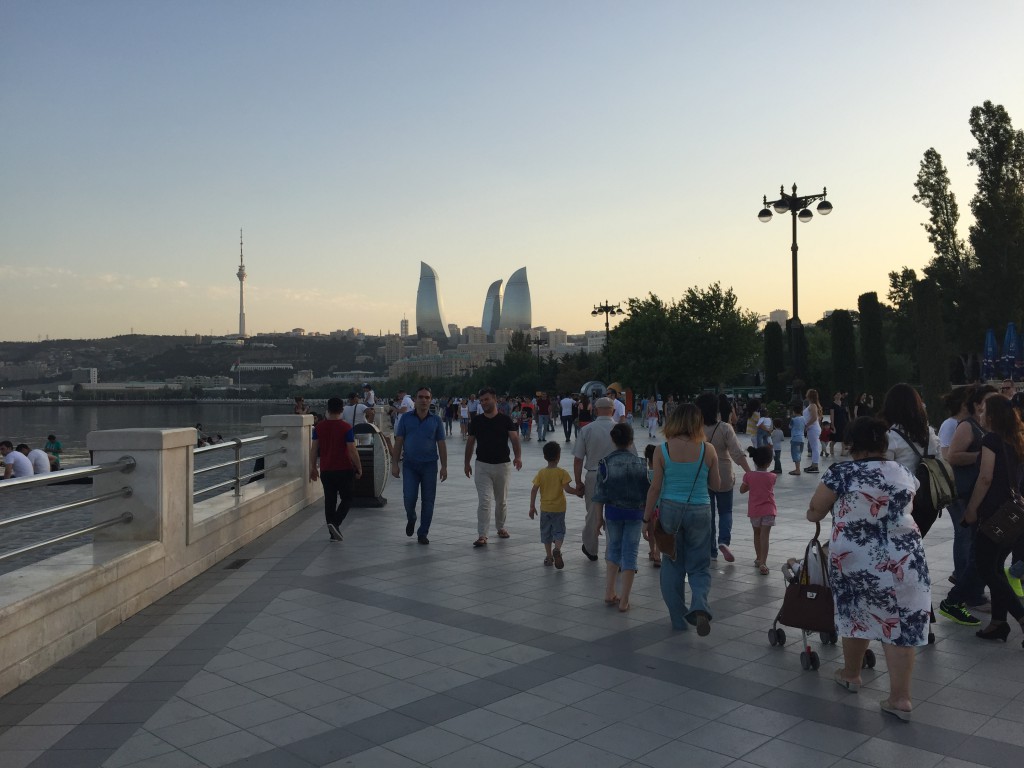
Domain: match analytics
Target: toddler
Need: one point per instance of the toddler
(761, 503)
(552, 483)
(828, 438)
(777, 437)
(797, 426)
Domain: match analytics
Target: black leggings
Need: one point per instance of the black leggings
(989, 558)
(337, 483)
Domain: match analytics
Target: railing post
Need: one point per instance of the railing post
(161, 483)
(238, 467)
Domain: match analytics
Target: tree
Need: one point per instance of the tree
(844, 351)
(641, 348)
(872, 344)
(774, 363)
(722, 336)
(931, 344)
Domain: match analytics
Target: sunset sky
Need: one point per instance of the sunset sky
(612, 148)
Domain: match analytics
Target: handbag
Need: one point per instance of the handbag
(1006, 524)
(667, 541)
(809, 606)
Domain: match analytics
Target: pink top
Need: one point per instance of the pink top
(761, 501)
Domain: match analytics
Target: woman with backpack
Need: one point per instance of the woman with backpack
(909, 435)
(999, 473)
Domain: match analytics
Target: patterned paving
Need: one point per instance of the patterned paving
(379, 652)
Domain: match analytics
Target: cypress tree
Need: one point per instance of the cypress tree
(774, 363)
(872, 345)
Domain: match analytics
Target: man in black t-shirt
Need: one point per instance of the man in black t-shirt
(491, 433)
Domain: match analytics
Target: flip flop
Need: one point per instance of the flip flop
(503, 534)
(481, 542)
(842, 682)
(902, 714)
(613, 601)
(763, 569)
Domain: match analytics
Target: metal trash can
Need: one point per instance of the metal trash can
(376, 460)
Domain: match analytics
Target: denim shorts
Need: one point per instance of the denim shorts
(796, 450)
(552, 527)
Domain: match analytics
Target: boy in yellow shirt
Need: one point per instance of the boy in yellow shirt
(552, 483)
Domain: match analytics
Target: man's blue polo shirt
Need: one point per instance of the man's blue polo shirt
(420, 436)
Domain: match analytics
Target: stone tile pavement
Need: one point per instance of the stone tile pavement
(379, 652)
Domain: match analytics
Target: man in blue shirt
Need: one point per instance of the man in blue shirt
(421, 435)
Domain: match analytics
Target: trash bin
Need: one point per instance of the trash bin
(376, 461)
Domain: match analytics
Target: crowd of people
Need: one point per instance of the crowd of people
(23, 461)
(680, 495)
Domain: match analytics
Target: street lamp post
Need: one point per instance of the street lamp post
(538, 343)
(607, 310)
(798, 207)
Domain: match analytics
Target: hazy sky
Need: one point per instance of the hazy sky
(612, 148)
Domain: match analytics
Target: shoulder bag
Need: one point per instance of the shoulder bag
(1006, 524)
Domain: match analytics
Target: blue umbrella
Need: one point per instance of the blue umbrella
(990, 356)
(1011, 350)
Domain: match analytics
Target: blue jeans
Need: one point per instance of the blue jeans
(418, 475)
(542, 427)
(692, 525)
(623, 540)
(968, 588)
(721, 502)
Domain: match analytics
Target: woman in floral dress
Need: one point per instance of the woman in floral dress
(878, 569)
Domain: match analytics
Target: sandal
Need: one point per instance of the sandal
(842, 682)
(481, 542)
(655, 559)
(503, 534)
(613, 601)
(763, 569)
(902, 714)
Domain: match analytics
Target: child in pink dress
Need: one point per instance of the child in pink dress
(761, 502)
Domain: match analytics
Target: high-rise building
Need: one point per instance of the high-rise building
(516, 309)
(429, 307)
(241, 287)
(779, 316)
(404, 327)
(492, 309)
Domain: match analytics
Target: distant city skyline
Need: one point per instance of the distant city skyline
(610, 149)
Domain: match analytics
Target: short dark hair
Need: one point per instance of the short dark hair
(486, 391)
(763, 455)
(422, 387)
(51, 438)
(552, 450)
(334, 405)
(622, 435)
(867, 434)
(649, 450)
(6, 444)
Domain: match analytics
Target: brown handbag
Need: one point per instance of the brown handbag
(809, 606)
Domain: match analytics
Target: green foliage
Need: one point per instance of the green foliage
(872, 345)
(931, 346)
(774, 363)
(844, 352)
(703, 340)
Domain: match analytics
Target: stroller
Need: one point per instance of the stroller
(808, 605)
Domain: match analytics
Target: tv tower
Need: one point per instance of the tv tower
(241, 288)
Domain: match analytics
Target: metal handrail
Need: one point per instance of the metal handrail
(124, 492)
(124, 517)
(236, 481)
(124, 464)
(232, 442)
(236, 443)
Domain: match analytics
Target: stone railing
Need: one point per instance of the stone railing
(52, 608)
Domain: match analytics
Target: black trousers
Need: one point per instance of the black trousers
(338, 484)
(988, 559)
(567, 426)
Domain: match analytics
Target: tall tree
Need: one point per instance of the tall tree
(872, 344)
(844, 351)
(774, 363)
(934, 372)
(997, 234)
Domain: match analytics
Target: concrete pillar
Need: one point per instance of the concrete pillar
(161, 483)
(298, 429)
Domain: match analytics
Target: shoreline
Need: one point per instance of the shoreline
(189, 402)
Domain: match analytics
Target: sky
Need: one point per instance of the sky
(614, 149)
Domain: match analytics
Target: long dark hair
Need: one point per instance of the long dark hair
(708, 405)
(1001, 417)
(904, 407)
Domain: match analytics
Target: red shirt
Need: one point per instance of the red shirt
(333, 437)
(761, 501)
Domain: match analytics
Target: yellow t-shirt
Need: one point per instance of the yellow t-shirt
(551, 481)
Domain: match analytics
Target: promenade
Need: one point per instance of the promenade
(381, 653)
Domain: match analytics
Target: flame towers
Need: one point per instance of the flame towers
(492, 309)
(516, 309)
(430, 319)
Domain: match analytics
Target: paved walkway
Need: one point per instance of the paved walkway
(379, 652)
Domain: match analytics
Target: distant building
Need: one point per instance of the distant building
(404, 328)
(492, 309)
(84, 376)
(779, 316)
(516, 308)
(429, 307)
(241, 288)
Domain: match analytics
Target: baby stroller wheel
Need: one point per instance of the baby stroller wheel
(773, 639)
(805, 660)
(868, 662)
(815, 661)
(833, 637)
(780, 637)
(931, 638)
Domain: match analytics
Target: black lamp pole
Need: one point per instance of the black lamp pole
(607, 310)
(538, 343)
